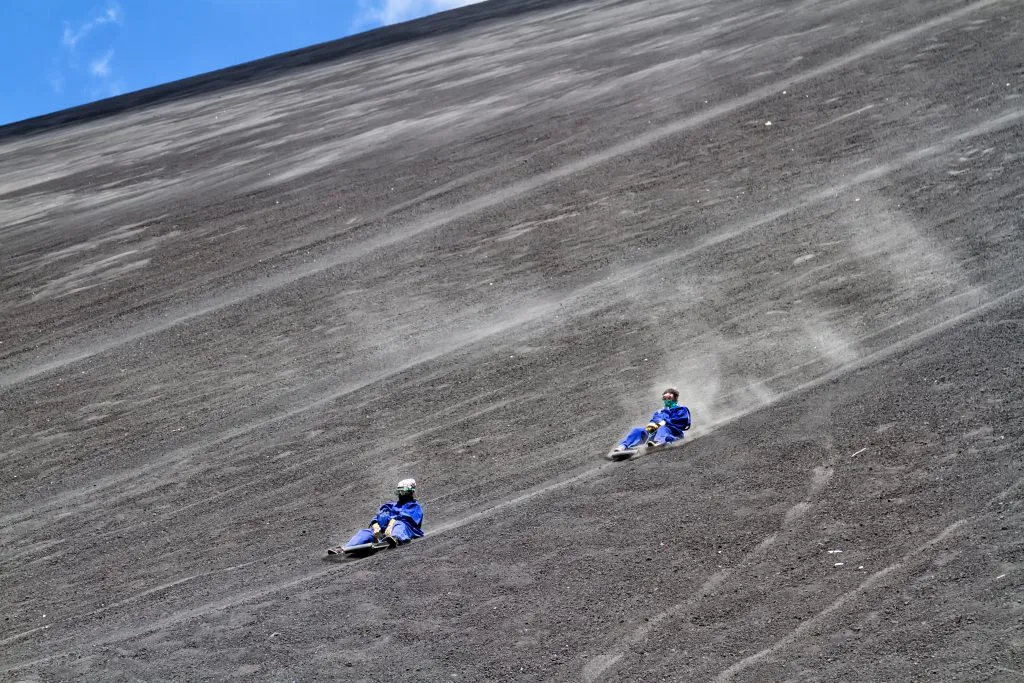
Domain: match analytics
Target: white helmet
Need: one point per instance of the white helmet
(406, 487)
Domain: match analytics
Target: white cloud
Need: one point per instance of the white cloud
(72, 36)
(69, 72)
(384, 12)
(100, 67)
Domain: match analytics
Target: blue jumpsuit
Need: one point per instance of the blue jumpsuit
(677, 421)
(408, 518)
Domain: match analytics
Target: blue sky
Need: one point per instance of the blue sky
(56, 54)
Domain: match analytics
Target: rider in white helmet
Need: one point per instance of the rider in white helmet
(396, 522)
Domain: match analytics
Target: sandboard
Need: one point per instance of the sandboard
(358, 550)
(626, 454)
(630, 453)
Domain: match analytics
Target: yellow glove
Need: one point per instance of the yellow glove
(391, 525)
(651, 427)
(375, 528)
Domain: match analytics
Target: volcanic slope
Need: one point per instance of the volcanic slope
(232, 320)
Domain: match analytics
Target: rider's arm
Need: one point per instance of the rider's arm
(384, 514)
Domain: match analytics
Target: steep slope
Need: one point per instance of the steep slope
(232, 321)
